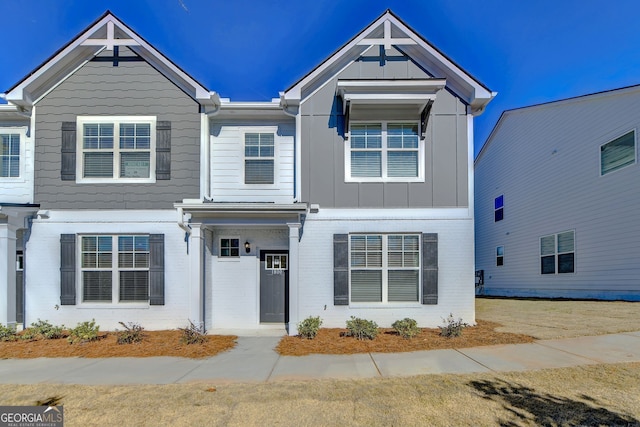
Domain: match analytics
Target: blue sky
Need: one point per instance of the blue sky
(528, 51)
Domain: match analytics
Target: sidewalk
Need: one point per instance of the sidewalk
(254, 360)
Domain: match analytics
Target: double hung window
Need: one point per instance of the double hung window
(115, 268)
(498, 208)
(10, 154)
(259, 158)
(384, 151)
(557, 253)
(384, 268)
(117, 148)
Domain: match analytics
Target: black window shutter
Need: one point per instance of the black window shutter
(67, 269)
(340, 269)
(68, 152)
(156, 269)
(430, 268)
(163, 150)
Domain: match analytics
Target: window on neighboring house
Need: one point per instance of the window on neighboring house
(229, 247)
(500, 256)
(384, 268)
(259, 158)
(10, 155)
(618, 153)
(557, 253)
(498, 206)
(115, 268)
(117, 148)
(384, 151)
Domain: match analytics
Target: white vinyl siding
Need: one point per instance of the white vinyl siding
(116, 149)
(384, 268)
(618, 153)
(384, 151)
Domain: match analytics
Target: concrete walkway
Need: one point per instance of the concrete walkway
(254, 360)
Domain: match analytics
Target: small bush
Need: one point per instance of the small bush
(309, 327)
(193, 334)
(131, 334)
(84, 332)
(8, 333)
(406, 328)
(452, 328)
(362, 329)
(45, 330)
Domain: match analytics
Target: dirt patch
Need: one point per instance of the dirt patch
(155, 343)
(333, 341)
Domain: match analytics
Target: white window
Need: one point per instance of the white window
(499, 256)
(384, 151)
(11, 151)
(229, 247)
(117, 149)
(557, 253)
(384, 268)
(259, 157)
(618, 153)
(114, 268)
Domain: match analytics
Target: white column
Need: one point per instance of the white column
(196, 278)
(294, 295)
(7, 274)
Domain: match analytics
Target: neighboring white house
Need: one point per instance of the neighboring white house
(557, 199)
(149, 198)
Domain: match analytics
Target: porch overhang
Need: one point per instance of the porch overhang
(242, 214)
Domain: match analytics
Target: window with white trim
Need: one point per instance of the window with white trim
(114, 268)
(557, 253)
(384, 151)
(259, 157)
(10, 153)
(384, 268)
(119, 149)
(618, 153)
(229, 247)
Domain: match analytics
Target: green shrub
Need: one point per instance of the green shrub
(8, 333)
(452, 328)
(361, 328)
(84, 332)
(309, 327)
(406, 328)
(193, 334)
(131, 334)
(44, 329)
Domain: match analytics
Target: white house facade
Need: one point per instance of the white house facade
(142, 196)
(557, 200)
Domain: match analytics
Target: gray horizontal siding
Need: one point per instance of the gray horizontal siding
(446, 152)
(132, 88)
(545, 160)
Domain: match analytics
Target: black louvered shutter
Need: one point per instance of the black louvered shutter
(156, 269)
(430, 268)
(68, 152)
(163, 150)
(67, 269)
(340, 269)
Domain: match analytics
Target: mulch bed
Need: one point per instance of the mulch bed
(333, 341)
(155, 343)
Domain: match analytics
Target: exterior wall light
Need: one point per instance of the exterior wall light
(247, 247)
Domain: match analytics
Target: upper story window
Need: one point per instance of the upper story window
(259, 157)
(384, 151)
(498, 208)
(118, 149)
(10, 153)
(557, 253)
(618, 153)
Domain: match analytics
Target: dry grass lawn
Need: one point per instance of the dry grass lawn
(607, 395)
(549, 319)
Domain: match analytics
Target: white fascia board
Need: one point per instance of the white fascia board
(241, 207)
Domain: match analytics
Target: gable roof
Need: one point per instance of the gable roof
(389, 30)
(103, 34)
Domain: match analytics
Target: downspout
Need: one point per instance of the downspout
(296, 150)
(28, 224)
(206, 138)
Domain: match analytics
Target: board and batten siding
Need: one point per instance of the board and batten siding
(19, 190)
(545, 160)
(323, 147)
(130, 89)
(227, 162)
